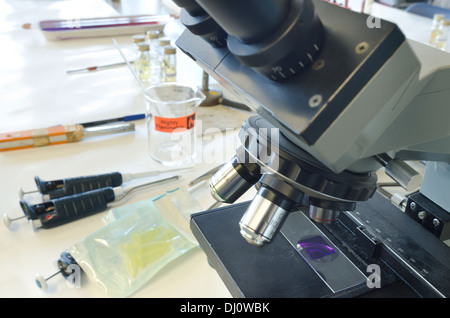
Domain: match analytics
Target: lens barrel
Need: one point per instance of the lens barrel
(262, 220)
(233, 179)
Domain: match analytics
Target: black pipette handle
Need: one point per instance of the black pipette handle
(67, 209)
(68, 268)
(70, 186)
(64, 263)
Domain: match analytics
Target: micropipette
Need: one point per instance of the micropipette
(66, 265)
(57, 135)
(7, 220)
(70, 208)
(70, 186)
(96, 68)
(113, 120)
(204, 176)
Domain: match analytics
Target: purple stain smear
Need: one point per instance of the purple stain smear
(316, 247)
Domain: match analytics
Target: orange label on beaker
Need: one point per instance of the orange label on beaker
(164, 124)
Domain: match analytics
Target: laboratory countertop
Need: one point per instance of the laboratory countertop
(37, 92)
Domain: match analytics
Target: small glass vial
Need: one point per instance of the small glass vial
(169, 73)
(152, 38)
(442, 34)
(136, 40)
(143, 62)
(155, 65)
(437, 18)
(162, 43)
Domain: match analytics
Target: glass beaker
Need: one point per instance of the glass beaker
(171, 114)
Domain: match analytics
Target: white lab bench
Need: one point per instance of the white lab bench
(36, 92)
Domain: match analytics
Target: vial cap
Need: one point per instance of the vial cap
(438, 17)
(143, 47)
(138, 38)
(170, 50)
(164, 41)
(153, 34)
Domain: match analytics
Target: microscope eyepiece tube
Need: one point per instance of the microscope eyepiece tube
(249, 20)
(198, 21)
(191, 6)
(233, 179)
(277, 38)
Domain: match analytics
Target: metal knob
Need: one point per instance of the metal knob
(401, 172)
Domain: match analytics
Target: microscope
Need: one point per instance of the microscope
(337, 99)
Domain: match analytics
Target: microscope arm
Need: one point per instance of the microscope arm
(422, 131)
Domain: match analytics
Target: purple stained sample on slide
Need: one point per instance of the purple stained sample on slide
(316, 247)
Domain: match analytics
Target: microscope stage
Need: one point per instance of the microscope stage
(278, 270)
